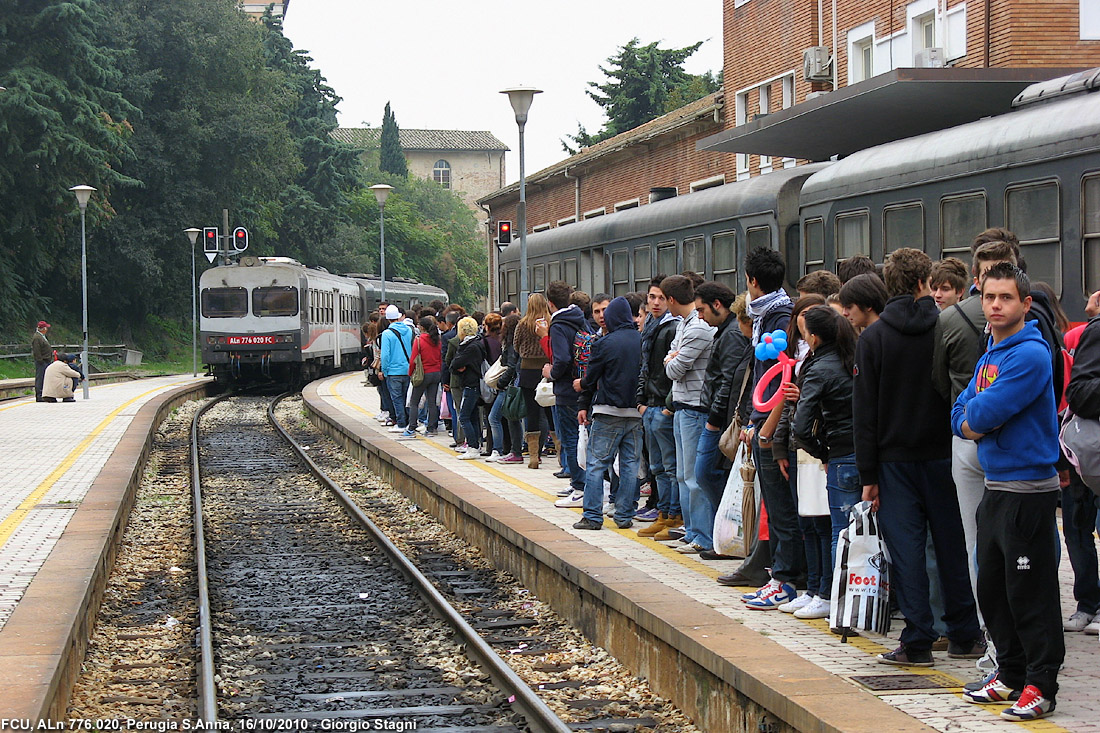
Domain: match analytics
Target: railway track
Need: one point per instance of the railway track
(308, 613)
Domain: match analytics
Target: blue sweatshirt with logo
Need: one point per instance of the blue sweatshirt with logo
(1011, 401)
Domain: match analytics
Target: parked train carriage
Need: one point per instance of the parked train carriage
(271, 317)
(707, 231)
(404, 292)
(1035, 170)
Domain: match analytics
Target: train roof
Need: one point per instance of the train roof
(1063, 126)
(756, 195)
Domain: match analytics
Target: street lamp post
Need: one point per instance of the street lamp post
(83, 193)
(521, 98)
(381, 191)
(193, 235)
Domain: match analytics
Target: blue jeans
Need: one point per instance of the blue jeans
(1078, 523)
(398, 385)
(384, 398)
(712, 481)
(786, 536)
(662, 459)
(915, 497)
(845, 491)
(468, 415)
(687, 425)
(565, 416)
(608, 435)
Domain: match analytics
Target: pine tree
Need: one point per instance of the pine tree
(391, 157)
(644, 82)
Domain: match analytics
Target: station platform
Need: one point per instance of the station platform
(66, 470)
(795, 669)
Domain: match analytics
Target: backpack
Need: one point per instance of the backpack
(582, 351)
(1061, 359)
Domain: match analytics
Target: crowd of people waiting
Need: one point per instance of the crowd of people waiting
(931, 389)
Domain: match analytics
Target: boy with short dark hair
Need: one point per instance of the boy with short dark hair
(948, 282)
(565, 322)
(1009, 410)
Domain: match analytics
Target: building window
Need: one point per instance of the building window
(631, 204)
(927, 25)
(541, 227)
(706, 183)
(566, 221)
(861, 43)
(593, 213)
(441, 173)
(1090, 20)
(1033, 211)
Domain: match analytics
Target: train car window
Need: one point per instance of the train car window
(1090, 232)
(794, 242)
(695, 256)
(571, 272)
(853, 234)
(666, 258)
(962, 218)
(1034, 214)
(814, 252)
(724, 249)
(643, 269)
(224, 302)
(586, 272)
(512, 290)
(538, 278)
(278, 301)
(553, 271)
(758, 237)
(620, 273)
(903, 226)
(599, 282)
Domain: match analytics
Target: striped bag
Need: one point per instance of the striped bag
(861, 577)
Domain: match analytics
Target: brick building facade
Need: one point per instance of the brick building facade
(257, 9)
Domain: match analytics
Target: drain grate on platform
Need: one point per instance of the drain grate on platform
(891, 682)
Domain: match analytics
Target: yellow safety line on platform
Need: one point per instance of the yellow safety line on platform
(29, 399)
(19, 514)
(859, 642)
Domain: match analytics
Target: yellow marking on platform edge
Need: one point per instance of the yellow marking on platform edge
(862, 643)
(29, 399)
(19, 514)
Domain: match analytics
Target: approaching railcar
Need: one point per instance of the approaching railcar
(1034, 170)
(273, 319)
(708, 232)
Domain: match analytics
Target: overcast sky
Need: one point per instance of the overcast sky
(442, 64)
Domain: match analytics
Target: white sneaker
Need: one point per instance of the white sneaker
(801, 602)
(493, 457)
(1093, 628)
(609, 508)
(817, 608)
(382, 416)
(396, 429)
(1079, 621)
(469, 455)
(575, 499)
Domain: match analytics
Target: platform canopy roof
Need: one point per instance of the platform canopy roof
(891, 106)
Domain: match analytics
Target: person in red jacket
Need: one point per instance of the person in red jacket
(427, 345)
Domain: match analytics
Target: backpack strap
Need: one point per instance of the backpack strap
(977, 331)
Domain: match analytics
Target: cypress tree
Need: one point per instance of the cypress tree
(391, 157)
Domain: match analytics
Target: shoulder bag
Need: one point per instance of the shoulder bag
(514, 407)
(495, 372)
(731, 438)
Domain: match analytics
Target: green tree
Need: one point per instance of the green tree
(63, 121)
(392, 158)
(643, 83)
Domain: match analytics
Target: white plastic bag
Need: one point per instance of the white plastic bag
(813, 496)
(544, 394)
(582, 445)
(729, 531)
(861, 578)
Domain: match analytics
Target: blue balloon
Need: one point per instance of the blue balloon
(762, 351)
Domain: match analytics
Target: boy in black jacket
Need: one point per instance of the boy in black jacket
(902, 434)
(616, 426)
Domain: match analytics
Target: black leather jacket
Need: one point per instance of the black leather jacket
(718, 386)
(654, 386)
(826, 399)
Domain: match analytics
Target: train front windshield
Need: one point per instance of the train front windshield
(276, 301)
(224, 302)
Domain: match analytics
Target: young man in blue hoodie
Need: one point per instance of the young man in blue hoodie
(1009, 410)
(609, 388)
(396, 347)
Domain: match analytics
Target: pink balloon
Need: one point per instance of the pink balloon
(784, 368)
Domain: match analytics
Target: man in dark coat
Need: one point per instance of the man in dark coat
(42, 354)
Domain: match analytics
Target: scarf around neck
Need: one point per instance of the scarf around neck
(762, 306)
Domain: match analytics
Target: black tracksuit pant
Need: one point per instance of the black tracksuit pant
(1018, 587)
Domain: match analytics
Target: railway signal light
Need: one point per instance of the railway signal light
(504, 232)
(240, 239)
(210, 241)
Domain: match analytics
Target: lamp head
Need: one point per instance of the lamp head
(381, 191)
(192, 234)
(521, 98)
(83, 193)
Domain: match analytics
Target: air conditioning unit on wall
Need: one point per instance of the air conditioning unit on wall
(929, 58)
(817, 64)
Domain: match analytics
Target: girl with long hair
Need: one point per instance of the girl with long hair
(514, 431)
(532, 358)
